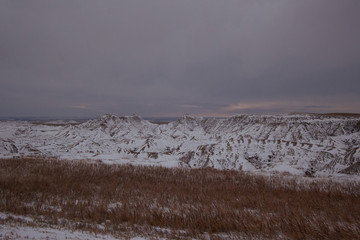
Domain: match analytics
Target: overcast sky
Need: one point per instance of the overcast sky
(168, 58)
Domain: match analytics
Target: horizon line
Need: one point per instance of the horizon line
(49, 117)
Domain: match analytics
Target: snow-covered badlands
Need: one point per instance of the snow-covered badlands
(316, 145)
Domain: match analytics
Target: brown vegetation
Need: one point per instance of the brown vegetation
(194, 200)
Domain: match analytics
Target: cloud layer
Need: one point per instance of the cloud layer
(167, 58)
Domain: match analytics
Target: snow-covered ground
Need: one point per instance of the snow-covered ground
(298, 144)
(20, 227)
(35, 233)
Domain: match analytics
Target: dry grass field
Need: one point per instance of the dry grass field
(188, 203)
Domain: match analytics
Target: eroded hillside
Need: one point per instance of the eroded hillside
(300, 144)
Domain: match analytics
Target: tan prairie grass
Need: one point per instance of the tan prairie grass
(195, 200)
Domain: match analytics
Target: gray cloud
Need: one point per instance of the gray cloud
(166, 58)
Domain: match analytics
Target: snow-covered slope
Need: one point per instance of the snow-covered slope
(300, 144)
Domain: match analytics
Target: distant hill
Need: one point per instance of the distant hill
(304, 144)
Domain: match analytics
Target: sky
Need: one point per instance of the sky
(161, 58)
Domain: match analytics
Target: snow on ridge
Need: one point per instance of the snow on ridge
(300, 144)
